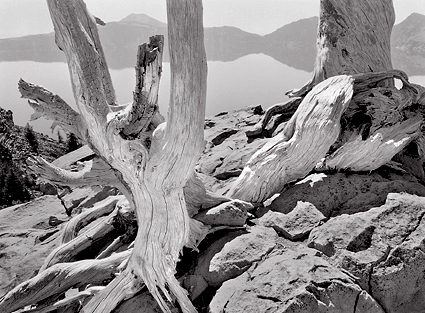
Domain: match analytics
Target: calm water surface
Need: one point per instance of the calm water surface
(250, 80)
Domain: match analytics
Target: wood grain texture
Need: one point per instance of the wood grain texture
(353, 37)
(52, 107)
(302, 144)
(59, 278)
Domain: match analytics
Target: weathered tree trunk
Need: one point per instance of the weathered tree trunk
(148, 160)
(353, 37)
(356, 122)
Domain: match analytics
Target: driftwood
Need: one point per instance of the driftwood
(103, 229)
(351, 39)
(101, 208)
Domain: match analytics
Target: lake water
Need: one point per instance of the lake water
(251, 80)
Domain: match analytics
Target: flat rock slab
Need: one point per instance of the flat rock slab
(27, 236)
(230, 257)
(340, 193)
(295, 225)
(384, 248)
(232, 213)
(297, 280)
(227, 149)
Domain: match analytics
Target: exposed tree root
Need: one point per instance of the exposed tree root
(59, 278)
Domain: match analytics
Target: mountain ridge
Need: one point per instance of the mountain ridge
(293, 44)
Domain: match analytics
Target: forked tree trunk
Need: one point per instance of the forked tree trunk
(378, 121)
(149, 161)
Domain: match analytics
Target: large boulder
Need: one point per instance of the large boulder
(383, 248)
(335, 194)
(294, 279)
(234, 253)
(297, 224)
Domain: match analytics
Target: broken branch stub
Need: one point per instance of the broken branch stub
(145, 96)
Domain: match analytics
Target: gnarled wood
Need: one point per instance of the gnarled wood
(145, 97)
(302, 144)
(352, 38)
(152, 176)
(286, 110)
(101, 208)
(52, 107)
(115, 222)
(93, 172)
(59, 278)
(69, 304)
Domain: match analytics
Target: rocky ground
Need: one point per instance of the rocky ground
(15, 148)
(332, 242)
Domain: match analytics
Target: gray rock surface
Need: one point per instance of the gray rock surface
(232, 213)
(27, 236)
(335, 194)
(230, 257)
(292, 280)
(384, 248)
(295, 225)
(228, 149)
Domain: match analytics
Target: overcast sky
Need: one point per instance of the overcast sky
(24, 17)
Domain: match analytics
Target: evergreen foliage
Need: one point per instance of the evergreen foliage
(72, 142)
(31, 138)
(14, 184)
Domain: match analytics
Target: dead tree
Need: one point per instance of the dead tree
(348, 116)
(148, 160)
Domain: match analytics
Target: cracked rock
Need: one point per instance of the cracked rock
(384, 248)
(294, 281)
(226, 260)
(340, 193)
(295, 225)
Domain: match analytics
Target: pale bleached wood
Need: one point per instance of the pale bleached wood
(145, 97)
(394, 122)
(102, 208)
(59, 278)
(69, 302)
(197, 197)
(52, 107)
(367, 155)
(352, 38)
(152, 176)
(123, 287)
(68, 251)
(91, 173)
(72, 157)
(305, 140)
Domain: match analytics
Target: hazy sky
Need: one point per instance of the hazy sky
(24, 17)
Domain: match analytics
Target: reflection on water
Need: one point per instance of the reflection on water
(250, 80)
